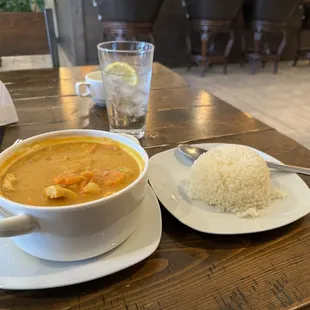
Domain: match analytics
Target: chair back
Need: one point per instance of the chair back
(306, 19)
(277, 11)
(128, 11)
(213, 9)
(28, 33)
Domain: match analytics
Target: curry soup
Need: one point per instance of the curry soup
(69, 170)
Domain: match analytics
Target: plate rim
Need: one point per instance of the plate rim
(151, 248)
(254, 231)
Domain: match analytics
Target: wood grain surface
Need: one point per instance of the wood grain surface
(22, 33)
(189, 270)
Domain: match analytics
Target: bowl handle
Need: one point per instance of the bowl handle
(19, 224)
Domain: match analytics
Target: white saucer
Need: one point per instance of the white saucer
(169, 171)
(20, 271)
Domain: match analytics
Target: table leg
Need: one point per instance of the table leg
(257, 40)
(297, 49)
(280, 51)
(243, 51)
(189, 48)
(204, 45)
(228, 49)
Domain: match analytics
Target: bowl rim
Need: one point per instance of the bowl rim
(75, 132)
(101, 47)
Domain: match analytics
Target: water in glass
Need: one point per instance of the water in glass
(126, 74)
(127, 104)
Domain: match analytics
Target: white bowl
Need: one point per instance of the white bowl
(78, 231)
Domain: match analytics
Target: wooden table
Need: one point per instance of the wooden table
(189, 270)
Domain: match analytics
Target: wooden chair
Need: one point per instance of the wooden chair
(123, 19)
(272, 17)
(303, 52)
(209, 18)
(28, 33)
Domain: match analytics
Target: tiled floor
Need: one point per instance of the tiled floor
(281, 101)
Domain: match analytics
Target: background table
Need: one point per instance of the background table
(189, 270)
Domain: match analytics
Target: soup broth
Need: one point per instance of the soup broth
(66, 171)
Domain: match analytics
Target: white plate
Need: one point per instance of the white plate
(19, 270)
(168, 171)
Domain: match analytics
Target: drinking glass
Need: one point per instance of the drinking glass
(126, 73)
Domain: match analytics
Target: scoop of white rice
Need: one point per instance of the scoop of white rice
(233, 178)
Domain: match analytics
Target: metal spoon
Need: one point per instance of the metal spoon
(193, 152)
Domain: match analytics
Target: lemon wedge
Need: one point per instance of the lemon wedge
(126, 71)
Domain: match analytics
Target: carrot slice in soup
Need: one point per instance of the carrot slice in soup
(68, 179)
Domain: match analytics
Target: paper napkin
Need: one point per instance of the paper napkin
(8, 113)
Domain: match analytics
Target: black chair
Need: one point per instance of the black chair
(209, 18)
(267, 17)
(303, 52)
(127, 18)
